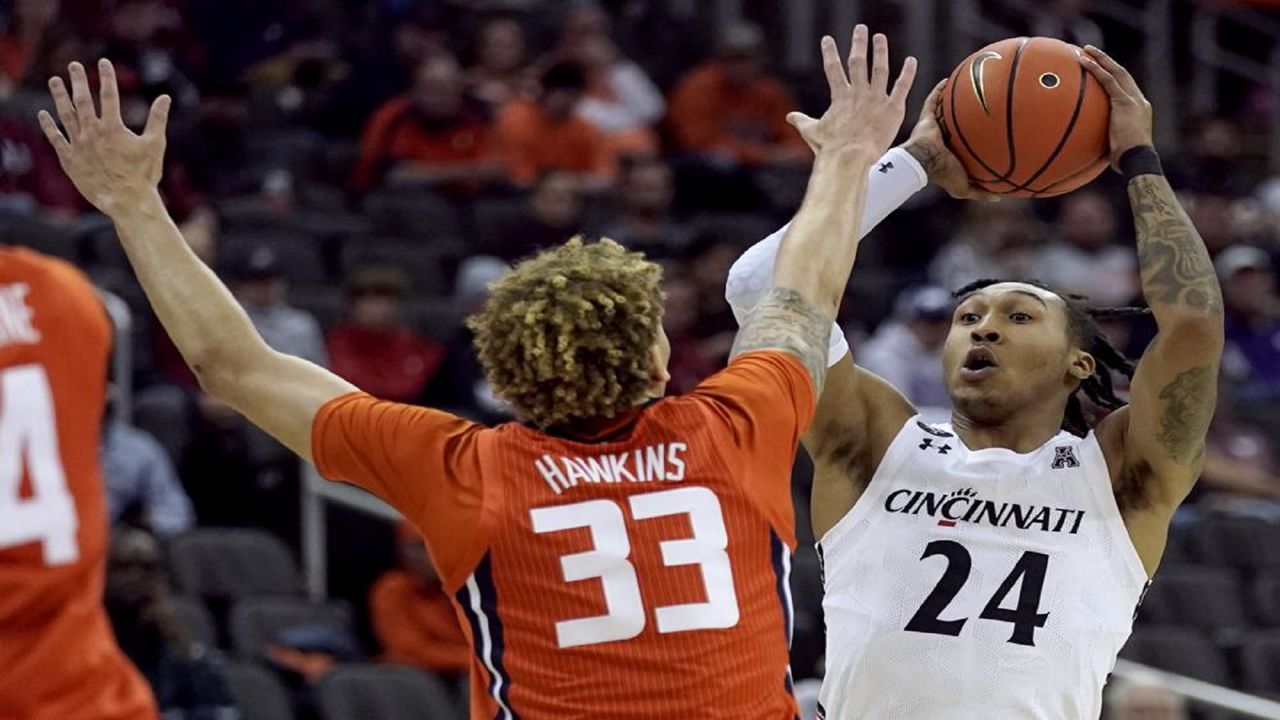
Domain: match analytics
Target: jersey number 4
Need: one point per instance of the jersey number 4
(1025, 617)
(29, 440)
(609, 561)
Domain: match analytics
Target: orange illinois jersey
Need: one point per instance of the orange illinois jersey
(636, 569)
(58, 656)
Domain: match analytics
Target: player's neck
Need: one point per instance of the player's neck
(1020, 433)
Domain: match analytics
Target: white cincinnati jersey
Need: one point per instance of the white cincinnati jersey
(978, 585)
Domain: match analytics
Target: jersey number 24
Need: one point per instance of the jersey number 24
(609, 560)
(29, 440)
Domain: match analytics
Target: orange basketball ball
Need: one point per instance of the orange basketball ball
(1026, 118)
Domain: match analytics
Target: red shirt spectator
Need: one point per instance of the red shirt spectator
(427, 135)
(374, 349)
(729, 107)
(29, 171)
(539, 137)
(413, 618)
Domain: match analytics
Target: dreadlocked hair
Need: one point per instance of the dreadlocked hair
(1082, 323)
(566, 334)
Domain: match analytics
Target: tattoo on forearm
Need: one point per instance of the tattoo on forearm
(784, 320)
(1188, 408)
(1175, 265)
(927, 154)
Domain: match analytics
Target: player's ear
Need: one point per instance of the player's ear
(1082, 365)
(658, 371)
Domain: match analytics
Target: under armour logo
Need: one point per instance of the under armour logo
(927, 444)
(885, 167)
(1064, 457)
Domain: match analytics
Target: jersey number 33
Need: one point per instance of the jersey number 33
(609, 560)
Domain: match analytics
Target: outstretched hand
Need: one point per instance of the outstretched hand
(1130, 111)
(864, 112)
(110, 165)
(930, 150)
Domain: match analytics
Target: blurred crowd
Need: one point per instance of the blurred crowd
(358, 172)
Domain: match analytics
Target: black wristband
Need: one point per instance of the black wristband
(1141, 160)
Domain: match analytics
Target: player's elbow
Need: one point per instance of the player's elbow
(219, 370)
(1197, 333)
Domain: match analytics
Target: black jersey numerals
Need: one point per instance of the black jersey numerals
(1025, 616)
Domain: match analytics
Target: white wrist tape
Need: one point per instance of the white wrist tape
(891, 181)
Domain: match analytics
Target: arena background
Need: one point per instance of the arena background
(358, 170)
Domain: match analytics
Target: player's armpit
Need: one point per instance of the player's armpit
(279, 393)
(784, 320)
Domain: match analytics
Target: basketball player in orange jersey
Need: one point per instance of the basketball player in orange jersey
(616, 554)
(58, 657)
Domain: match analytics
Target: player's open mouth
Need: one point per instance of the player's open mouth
(979, 363)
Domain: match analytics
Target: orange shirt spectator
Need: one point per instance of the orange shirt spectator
(543, 136)
(729, 107)
(413, 618)
(427, 135)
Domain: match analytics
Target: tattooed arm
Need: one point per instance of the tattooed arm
(1160, 436)
(817, 253)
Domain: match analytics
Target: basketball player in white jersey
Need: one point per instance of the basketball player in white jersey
(989, 568)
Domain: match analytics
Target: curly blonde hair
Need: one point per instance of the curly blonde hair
(566, 334)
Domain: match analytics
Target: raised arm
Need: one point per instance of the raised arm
(1161, 434)
(817, 252)
(117, 171)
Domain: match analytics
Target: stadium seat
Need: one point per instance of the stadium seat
(1266, 599)
(1260, 662)
(1206, 598)
(257, 622)
(383, 692)
(412, 212)
(427, 266)
(231, 563)
(38, 235)
(1240, 542)
(492, 217)
(299, 253)
(258, 692)
(193, 617)
(1179, 650)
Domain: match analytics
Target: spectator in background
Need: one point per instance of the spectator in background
(553, 215)
(907, 350)
(621, 101)
(188, 679)
(731, 112)
(1252, 356)
(140, 479)
(26, 28)
(1239, 461)
(709, 258)
(645, 223)
(257, 281)
(31, 181)
(1065, 20)
(1083, 257)
(996, 240)
(461, 386)
(1213, 161)
(499, 74)
(374, 348)
(412, 617)
(149, 38)
(690, 361)
(428, 136)
(543, 135)
(1143, 700)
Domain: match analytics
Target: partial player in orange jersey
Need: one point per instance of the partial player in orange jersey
(58, 657)
(615, 554)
